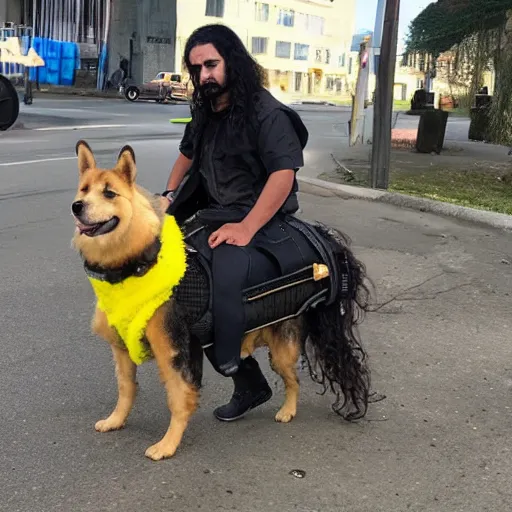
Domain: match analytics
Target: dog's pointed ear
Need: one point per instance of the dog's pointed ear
(85, 156)
(126, 164)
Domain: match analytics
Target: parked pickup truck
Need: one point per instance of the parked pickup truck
(166, 86)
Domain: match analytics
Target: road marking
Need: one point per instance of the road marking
(49, 111)
(25, 162)
(22, 141)
(79, 127)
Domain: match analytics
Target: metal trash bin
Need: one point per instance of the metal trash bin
(431, 131)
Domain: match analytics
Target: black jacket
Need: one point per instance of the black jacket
(238, 160)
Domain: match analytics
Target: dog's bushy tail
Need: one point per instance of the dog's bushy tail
(335, 357)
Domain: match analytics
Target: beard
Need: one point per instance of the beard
(212, 90)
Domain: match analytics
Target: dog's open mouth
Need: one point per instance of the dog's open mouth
(99, 228)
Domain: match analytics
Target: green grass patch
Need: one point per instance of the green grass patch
(486, 189)
(401, 105)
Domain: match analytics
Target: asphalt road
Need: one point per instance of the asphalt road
(439, 343)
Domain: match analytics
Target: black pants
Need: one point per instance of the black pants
(235, 268)
(277, 249)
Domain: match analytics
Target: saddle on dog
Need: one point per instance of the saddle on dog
(178, 264)
(311, 272)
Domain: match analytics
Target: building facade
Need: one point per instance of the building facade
(304, 45)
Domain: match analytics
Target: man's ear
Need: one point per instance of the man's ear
(85, 157)
(126, 164)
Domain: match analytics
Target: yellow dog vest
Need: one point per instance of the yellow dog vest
(130, 304)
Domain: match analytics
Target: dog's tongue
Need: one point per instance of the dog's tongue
(83, 228)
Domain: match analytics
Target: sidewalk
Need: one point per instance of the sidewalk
(439, 342)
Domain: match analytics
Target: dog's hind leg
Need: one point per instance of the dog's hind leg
(182, 396)
(125, 372)
(284, 346)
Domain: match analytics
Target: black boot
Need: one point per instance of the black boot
(251, 390)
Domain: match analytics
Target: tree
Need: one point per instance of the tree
(478, 33)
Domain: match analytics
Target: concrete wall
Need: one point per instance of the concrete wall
(153, 25)
(3, 11)
(158, 29)
(10, 10)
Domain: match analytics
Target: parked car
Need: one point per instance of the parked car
(166, 86)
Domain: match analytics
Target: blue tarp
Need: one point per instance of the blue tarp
(102, 68)
(61, 58)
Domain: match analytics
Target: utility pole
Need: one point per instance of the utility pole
(381, 147)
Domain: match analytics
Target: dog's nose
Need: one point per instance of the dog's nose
(77, 207)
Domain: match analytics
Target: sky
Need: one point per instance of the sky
(409, 9)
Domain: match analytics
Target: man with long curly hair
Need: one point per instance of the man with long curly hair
(243, 147)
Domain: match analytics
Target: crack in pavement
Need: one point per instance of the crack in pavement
(398, 297)
(18, 195)
(29, 223)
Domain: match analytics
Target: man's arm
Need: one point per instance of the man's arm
(281, 153)
(272, 197)
(180, 168)
(182, 164)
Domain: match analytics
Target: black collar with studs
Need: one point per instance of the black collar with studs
(133, 268)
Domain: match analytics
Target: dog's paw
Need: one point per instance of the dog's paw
(285, 415)
(160, 451)
(109, 424)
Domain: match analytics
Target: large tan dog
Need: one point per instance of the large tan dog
(122, 233)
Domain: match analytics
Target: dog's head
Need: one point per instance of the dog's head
(103, 203)
(108, 207)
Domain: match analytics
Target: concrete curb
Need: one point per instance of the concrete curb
(482, 217)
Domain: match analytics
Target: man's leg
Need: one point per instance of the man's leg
(230, 268)
(234, 268)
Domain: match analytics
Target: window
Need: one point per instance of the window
(215, 8)
(313, 25)
(318, 55)
(259, 45)
(316, 25)
(301, 51)
(350, 65)
(327, 56)
(298, 82)
(301, 21)
(262, 11)
(286, 17)
(283, 49)
(341, 60)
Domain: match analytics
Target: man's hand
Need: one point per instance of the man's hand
(233, 234)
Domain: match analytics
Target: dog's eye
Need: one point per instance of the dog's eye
(109, 194)
(84, 189)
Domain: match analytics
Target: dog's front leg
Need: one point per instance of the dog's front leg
(182, 396)
(125, 372)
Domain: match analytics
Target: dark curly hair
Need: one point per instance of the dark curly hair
(243, 74)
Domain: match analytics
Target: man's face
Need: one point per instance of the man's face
(210, 68)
